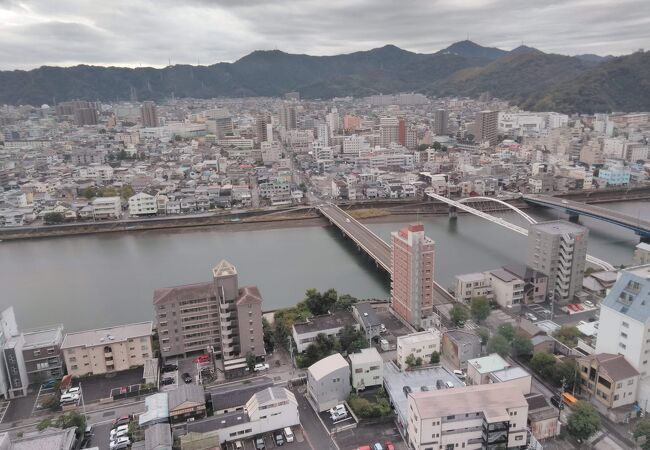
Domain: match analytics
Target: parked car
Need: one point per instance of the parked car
(337, 408)
(440, 384)
(279, 438)
(377, 446)
(238, 445)
(119, 434)
(389, 445)
(259, 443)
(69, 398)
(123, 441)
(117, 430)
(167, 381)
(588, 304)
(187, 378)
(74, 390)
(579, 307)
(169, 368)
(202, 358)
(288, 434)
(531, 317)
(260, 367)
(49, 384)
(123, 420)
(555, 401)
(407, 390)
(459, 374)
(338, 415)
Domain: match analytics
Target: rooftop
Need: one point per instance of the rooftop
(158, 435)
(558, 227)
(367, 314)
(509, 374)
(415, 338)
(327, 365)
(102, 336)
(184, 292)
(337, 319)
(156, 409)
(48, 439)
(186, 393)
(249, 295)
(224, 269)
(504, 275)
(492, 399)
(469, 277)
(217, 422)
(460, 336)
(615, 366)
(488, 364)
(365, 356)
(232, 396)
(43, 338)
(630, 293)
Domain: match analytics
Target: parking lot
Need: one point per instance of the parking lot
(299, 443)
(100, 387)
(368, 435)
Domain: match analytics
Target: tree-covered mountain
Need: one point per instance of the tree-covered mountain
(524, 75)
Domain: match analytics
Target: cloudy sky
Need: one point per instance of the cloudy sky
(151, 32)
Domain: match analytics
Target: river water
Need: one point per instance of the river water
(99, 280)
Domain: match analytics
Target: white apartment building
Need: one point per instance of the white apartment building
(421, 344)
(142, 204)
(470, 418)
(107, 208)
(472, 285)
(367, 368)
(352, 145)
(507, 289)
(104, 350)
(625, 324)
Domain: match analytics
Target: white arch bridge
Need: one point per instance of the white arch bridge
(461, 204)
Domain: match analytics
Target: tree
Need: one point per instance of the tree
(410, 360)
(250, 360)
(507, 331)
(418, 361)
(458, 315)
(642, 429)
(498, 344)
(53, 218)
(521, 345)
(566, 371)
(269, 336)
(344, 302)
(480, 309)
(437, 145)
(568, 335)
(422, 147)
(484, 334)
(583, 422)
(543, 363)
(318, 303)
(435, 358)
(352, 340)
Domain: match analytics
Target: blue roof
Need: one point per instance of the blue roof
(630, 295)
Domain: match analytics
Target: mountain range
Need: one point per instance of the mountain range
(525, 76)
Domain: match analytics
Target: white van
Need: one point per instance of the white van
(449, 384)
(288, 434)
(459, 374)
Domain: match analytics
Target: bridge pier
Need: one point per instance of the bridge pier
(645, 238)
(574, 218)
(453, 212)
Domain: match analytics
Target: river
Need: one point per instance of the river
(106, 279)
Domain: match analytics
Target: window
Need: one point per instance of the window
(625, 325)
(622, 345)
(518, 438)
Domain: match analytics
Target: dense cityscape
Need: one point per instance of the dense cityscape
(547, 349)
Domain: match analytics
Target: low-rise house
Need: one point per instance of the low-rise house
(471, 285)
(158, 437)
(368, 319)
(328, 381)
(47, 439)
(608, 380)
(156, 410)
(507, 288)
(107, 208)
(110, 349)
(542, 417)
(143, 204)
(420, 345)
(459, 346)
(227, 399)
(367, 368)
(535, 282)
(479, 369)
(516, 376)
(185, 402)
(329, 324)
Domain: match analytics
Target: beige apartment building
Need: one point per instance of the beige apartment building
(420, 345)
(412, 275)
(217, 315)
(471, 418)
(105, 350)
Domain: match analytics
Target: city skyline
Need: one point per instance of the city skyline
(38, 34)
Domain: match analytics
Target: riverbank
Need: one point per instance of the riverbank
(377, 211)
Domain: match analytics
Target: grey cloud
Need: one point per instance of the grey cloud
(149, 32)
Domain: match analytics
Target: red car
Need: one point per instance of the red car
(202, 359)
(572, 307)
(389, 445)
(579, 307)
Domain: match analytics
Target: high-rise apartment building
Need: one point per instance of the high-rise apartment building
(351, 123)
(333, 120)
(83, 112)
(218, 315)
(149, 114)
(558, 249)
(389, 130)
(288, 116)
(261, 129)
(441, 122)
(401, 132)
(412, 275)
(323, 135)
(486, 127)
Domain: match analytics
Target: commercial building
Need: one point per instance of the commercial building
(558, 249)
(105, 350)
(143, 204)
(149, 114)
(271, 409)
(328, 324)
(412, 275)
(486, 127)
(367, 368)
(608, 380)
(624, 325)
(216, 316)
(328, 382)
(471, 417)
(107, 208)
(420, 345)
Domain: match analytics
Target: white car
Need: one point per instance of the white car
(338, 415)
(121, 442)
(338, 408)
(588, 304)
(119, 435)
(74, 390)
(260, 367)
(69, 398)
(531, 317)
(118, 430)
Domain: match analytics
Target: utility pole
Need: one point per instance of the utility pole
(561, 401)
